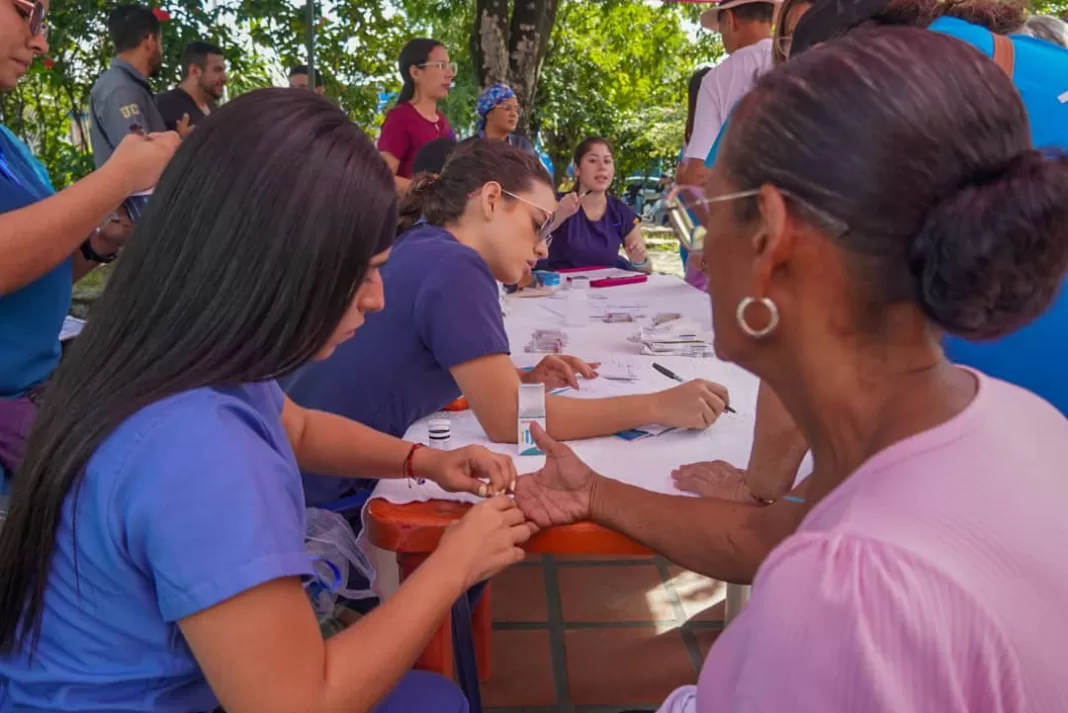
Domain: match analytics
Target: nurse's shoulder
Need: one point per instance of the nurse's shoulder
(193, 436)
(439, 258)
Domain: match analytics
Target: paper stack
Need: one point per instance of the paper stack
(674, 337)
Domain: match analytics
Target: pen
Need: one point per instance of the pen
(672, 375)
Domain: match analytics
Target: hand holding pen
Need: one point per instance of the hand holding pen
(672, 375)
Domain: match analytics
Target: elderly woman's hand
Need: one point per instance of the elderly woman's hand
(560, 493)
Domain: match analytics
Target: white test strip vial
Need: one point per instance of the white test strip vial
(440, 433)
(531, 411)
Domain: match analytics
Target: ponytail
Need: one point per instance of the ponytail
(442, 198)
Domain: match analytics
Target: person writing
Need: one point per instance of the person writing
(160, 503)
(592, 225)
(485, 220)
(415, 120)
(50, 240)
(911, 583)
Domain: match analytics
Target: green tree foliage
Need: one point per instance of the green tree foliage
(619, 69)
(616, 68)
(49, 108)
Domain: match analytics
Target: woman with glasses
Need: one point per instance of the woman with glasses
(592, 225)
(50, 240)
(153, 557)
(498, 115)
(928, 572)
(1038, 69)
(484, 220)
(415, 120)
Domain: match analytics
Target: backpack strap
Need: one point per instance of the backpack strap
(1004, 54)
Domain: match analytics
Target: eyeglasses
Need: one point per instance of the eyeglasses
(440, 64)
(34, 14)
(544, 230)
(684, 200)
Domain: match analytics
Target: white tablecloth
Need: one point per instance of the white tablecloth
(645, 463)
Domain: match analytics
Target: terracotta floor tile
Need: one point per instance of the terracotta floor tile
(522, 671)
(518, 594)
(625, 666)
(702, 599)
(608, 593)
(705, 639)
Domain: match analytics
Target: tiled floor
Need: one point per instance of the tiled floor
(597, 635)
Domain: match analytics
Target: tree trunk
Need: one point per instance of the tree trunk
(510, 46)
(489, 41)
(532, 23)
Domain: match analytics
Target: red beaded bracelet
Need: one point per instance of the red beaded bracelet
(407, 470)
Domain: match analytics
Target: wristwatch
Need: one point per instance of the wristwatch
(92, 255)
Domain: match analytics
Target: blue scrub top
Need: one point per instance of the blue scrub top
(189, 502)
(32, 316)
(443, 309)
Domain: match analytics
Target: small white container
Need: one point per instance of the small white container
(439, 431)
(531, 411)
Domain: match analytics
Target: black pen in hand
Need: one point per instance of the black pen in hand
(672, 375)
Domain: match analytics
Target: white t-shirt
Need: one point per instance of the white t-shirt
(720, 90)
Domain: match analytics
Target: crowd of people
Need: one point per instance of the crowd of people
(882, 187)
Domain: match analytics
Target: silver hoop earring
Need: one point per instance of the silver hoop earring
(773, 320)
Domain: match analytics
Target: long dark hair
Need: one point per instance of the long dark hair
(413, 54)
(239, 271)
(474, 162)
(915, 151)
(829, 18)
(693, 90)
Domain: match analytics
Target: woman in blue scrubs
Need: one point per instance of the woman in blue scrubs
(154, 549)
(48, 240)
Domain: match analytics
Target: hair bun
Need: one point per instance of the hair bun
(991, 257)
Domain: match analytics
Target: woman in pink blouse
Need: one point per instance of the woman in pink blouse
(870, 195)
(415, 120)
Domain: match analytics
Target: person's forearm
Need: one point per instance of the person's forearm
(402, 184)
(40, 236)
(333, 445)
(572, 419)
(778, 448)
(719, 539)
(360, 668)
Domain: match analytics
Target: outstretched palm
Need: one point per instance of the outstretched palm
(559, 493)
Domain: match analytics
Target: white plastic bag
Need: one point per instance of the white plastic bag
(335, 555)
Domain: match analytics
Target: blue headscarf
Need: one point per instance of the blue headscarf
(489, 99)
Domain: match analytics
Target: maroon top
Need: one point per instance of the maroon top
(405, 131)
